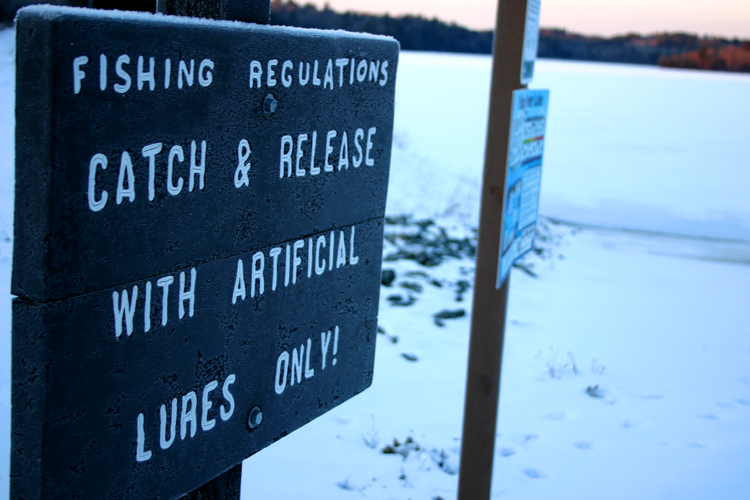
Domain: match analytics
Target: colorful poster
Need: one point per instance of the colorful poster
(523, 177)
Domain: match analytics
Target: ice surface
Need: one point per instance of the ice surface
(648, 148)
(626, 146)
(656, 327)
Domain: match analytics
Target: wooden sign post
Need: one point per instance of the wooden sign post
(490, 303)
(198, 241)
(228, 485)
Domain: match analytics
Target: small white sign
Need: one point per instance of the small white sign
(530, 40)
(523, 177)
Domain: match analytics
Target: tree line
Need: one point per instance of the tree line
(418, 33)
(681, 50)
(678, 50)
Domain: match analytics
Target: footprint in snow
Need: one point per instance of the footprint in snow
(584, 445)
(534, 473)
(727, 405)
(346, 485)
(696, 444)
(743, 402)
(342, 420)
(507, 452)
(530, 438)
(708, 416)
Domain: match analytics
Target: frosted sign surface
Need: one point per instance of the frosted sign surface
(199, 221)
(523, 177)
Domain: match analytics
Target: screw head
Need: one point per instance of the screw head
(269, 105)
(255, 417)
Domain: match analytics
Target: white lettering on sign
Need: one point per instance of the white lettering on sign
(126, 180)
(189, 76)
(345, 254)
(374, 72)
(188, 417)
(146, 72)
(262, 269)
(206, 404)
(141, 454)
(335, 155)
(125, 303)
(239, 291)
(286, 77)
(243, 164)
(98, 160)
(78, 73)
(146, 76)
(292, 368)
(126, 169)
(123, 87)
(124, 309)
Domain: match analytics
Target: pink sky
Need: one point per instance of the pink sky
(727, 18)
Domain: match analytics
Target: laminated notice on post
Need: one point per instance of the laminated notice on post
(530, 40)
(523, 177)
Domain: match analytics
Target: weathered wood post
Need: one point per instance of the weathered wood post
(490, 303)
(249, 11)
(228, 485)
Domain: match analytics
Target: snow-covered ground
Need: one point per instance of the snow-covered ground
(626, 375)
(627, 362)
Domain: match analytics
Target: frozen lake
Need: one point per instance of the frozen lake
(626, 146)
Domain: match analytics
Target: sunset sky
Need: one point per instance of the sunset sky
(726, 18)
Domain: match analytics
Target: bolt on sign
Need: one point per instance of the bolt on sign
(198, 242)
